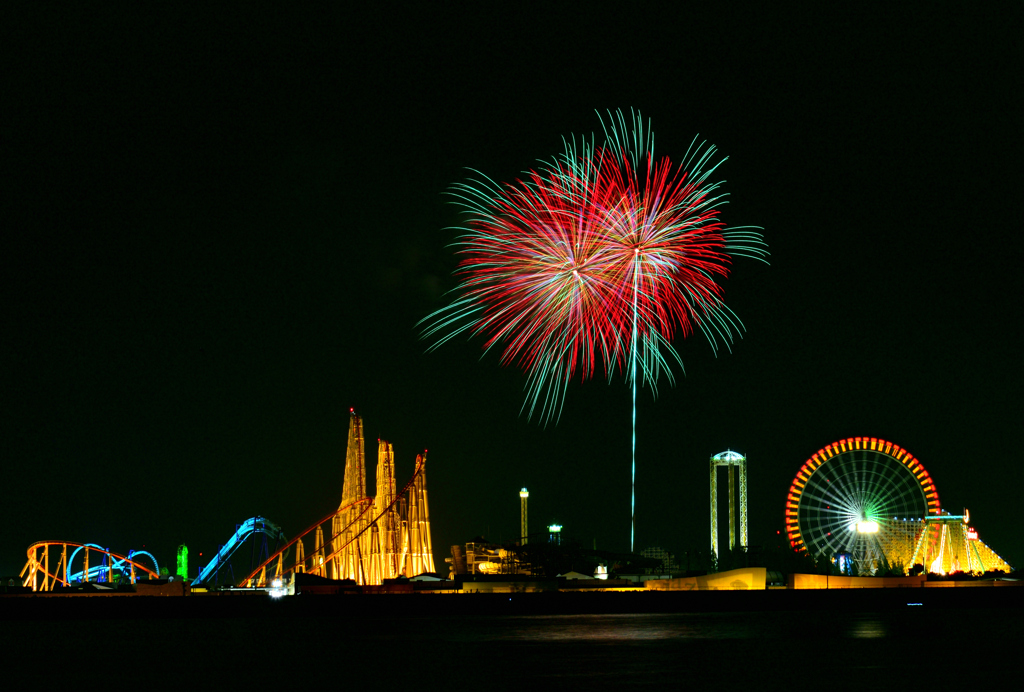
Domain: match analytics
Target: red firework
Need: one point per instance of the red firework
(603, 255)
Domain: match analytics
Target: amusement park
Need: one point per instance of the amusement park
(860, 513)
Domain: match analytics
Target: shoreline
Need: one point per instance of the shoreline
(426, 605)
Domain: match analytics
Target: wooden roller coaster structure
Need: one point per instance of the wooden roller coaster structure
(368, 539)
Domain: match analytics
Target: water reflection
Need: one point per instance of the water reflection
(675, 627)
(624, 628)
(868, 628)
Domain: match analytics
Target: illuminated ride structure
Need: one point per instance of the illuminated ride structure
(40, 573)
(524, 524)
(250, 528)
(949, 544)
(182, 565)
(873, 503)
(367, 539)
(731, 460)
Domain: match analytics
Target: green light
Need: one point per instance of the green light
(182, 561)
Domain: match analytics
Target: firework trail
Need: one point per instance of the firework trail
(603, 254)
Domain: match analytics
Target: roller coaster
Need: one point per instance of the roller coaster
(42, 574)
(249, 528)
(368, 539)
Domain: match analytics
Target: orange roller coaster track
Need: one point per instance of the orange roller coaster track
(40, 575)
(371, 538)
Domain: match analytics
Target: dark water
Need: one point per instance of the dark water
(804, 649)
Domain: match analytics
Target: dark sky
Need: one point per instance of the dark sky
(221, 230)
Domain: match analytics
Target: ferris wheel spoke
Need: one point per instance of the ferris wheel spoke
(853, 496)
(829, 496)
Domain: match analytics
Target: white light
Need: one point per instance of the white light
(728, 455)
(867, 527)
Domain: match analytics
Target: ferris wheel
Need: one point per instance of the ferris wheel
(857, 497)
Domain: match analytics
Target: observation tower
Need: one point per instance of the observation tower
(524, 526)
(731, 460)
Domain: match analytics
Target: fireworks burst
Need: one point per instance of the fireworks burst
(604, 254)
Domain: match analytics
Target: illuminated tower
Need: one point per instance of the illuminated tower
(380, 537)
(352, 520)
(372, 538)
(383, 535)
(731, 460)
(182, 570)
(524, 530)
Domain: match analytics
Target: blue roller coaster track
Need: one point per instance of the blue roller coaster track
(98, 573)
(222, 560)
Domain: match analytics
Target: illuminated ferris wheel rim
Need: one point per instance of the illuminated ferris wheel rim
(840, 452)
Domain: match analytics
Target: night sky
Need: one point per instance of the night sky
(222, 229)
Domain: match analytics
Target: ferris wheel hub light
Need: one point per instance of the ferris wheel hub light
(840, 499)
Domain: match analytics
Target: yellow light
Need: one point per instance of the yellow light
(867, 527)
